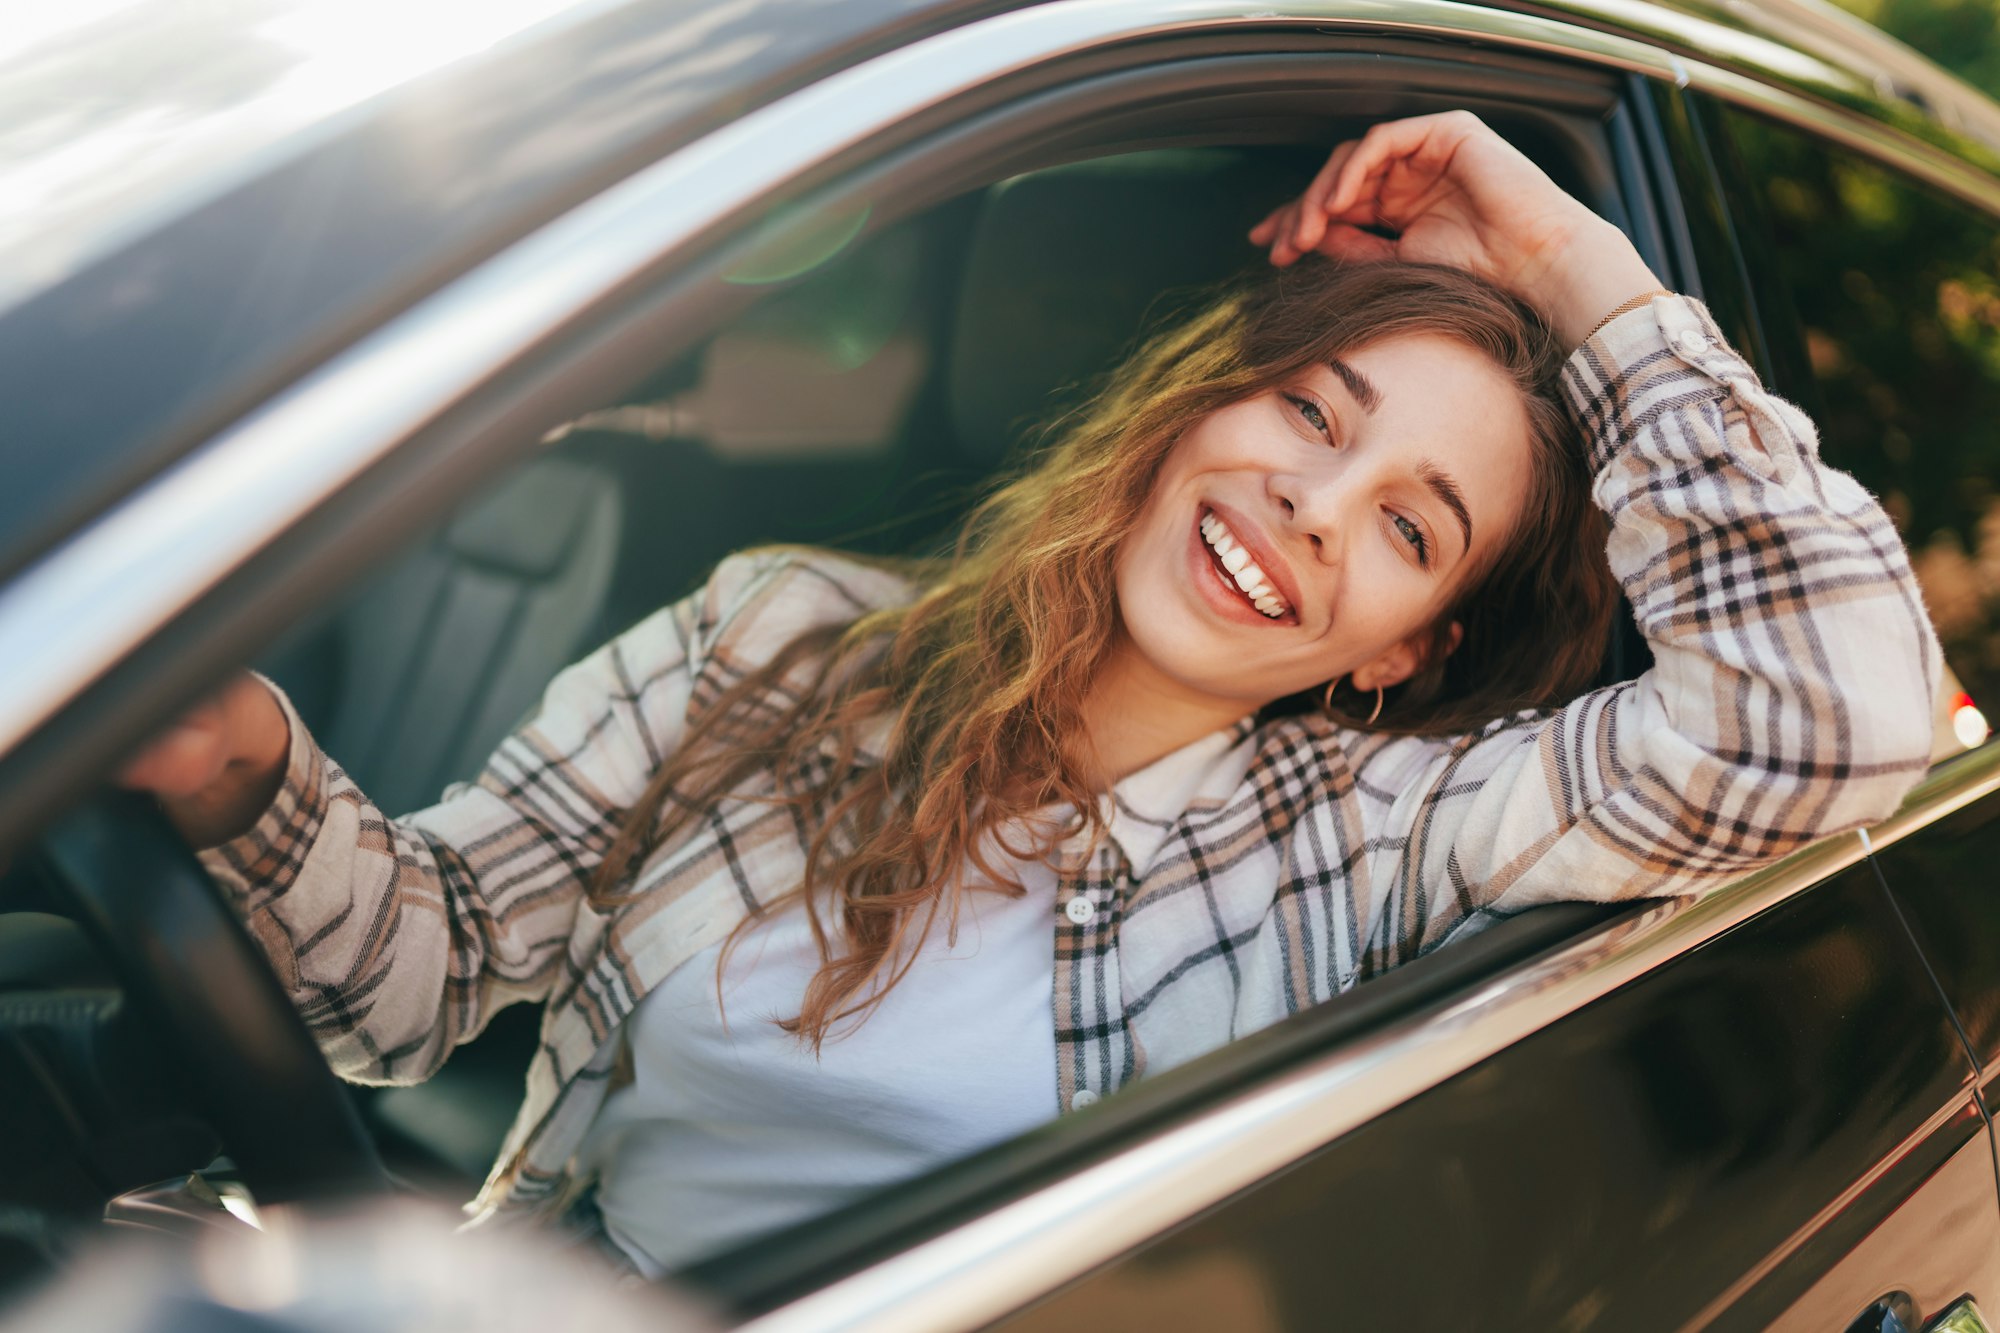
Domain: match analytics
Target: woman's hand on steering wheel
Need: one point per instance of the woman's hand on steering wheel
(1448, 190)
(217, 768)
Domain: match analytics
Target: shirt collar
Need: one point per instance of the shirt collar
(1142, 808)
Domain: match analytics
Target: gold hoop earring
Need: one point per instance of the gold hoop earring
(1326, 700)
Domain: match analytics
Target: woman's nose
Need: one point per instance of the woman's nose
(1314, 505)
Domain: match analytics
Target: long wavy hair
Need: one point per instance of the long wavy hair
(980, 678)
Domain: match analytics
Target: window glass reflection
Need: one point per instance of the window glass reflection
(1899, 305)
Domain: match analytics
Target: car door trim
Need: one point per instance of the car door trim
(1962, 1114)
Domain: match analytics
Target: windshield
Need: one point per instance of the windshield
(115, 114)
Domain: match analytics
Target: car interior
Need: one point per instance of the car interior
(859, 404)
(879, 374)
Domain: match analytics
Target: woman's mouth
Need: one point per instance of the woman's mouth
(1233, 563)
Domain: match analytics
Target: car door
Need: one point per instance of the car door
(1779, 1127)
(1771, 1122)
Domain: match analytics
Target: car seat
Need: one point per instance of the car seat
(1069, 267)
(422, 672)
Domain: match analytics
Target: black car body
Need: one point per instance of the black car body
(237, 401)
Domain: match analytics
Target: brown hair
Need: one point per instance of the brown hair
(982, 676)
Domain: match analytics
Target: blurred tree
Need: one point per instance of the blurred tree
(1896, 293)
(1961, 35)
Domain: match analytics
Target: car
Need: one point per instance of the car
(409, 363)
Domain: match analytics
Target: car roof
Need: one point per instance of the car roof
(116, 115)
(332, 165)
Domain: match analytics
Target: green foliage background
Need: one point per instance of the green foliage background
(1961, 35)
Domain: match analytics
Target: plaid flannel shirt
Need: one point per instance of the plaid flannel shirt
(1790, 698)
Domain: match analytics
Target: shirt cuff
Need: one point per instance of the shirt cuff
(1659, 356)
(262, 864)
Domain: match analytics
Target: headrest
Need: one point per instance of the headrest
(526, 525)
(1067, 265)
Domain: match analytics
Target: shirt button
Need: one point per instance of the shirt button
(1080, 910)
(1692, 343)
(1081, 1098)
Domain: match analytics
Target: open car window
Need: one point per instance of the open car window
(877, 379)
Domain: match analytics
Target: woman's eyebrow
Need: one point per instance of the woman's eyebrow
(1447, 490)
(1358, 384)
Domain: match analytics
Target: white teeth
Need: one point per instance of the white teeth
(1242, 569)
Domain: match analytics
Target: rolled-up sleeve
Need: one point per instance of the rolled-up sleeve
(400, 937)
(1794, 666)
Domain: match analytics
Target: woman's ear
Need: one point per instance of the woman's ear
(1405, 659)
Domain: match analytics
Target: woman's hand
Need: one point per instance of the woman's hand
(1454, 192)
(217, 768)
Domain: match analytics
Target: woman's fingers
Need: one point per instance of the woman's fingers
(1341, 240)
(1345, 241)
(1448, 188)
(1451, 191)
(1426, 144)
(1276, 232)
(1310, 223)
(1268, 230)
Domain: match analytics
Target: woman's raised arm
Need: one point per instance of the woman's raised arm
(1794, 666)
(1454, 192)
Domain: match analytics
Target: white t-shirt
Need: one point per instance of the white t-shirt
(732, 1128)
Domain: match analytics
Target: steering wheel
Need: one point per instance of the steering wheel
(177, 948)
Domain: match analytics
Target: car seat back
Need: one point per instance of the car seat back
(423, 671)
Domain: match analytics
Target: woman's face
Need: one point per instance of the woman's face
(1354, 500)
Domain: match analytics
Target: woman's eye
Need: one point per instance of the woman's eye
(1315, 418)
(1414, 535)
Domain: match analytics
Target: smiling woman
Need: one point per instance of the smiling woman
(960, 845)
(1328, 505)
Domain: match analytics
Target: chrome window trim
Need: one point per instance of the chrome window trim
(984, 1269)
(1866, 57)
(69, 618)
